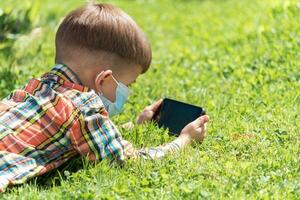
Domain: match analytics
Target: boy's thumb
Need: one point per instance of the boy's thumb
(203, 119)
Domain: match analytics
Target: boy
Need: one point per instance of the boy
(99, 52)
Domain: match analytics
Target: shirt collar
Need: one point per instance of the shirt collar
(65, 76)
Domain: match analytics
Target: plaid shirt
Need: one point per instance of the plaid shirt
(53, 119)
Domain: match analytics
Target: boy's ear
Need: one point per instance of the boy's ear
(102, 76)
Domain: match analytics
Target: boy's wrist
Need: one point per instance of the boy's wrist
(183, 140)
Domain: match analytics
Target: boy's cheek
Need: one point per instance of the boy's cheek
(109, 92)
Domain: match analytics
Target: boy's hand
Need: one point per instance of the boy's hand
(127, 126)
(148, 112)
(196, 130)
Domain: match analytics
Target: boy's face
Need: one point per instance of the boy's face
(105, 82)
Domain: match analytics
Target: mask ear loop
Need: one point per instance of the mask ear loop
(117, 82)
(100, 92)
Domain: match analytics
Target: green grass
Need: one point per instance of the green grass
(238, 59)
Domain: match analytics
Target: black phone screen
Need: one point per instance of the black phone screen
(175, 115)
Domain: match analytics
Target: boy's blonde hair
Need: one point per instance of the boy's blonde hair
(107, 28)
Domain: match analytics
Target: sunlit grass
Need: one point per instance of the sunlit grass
(238, 59)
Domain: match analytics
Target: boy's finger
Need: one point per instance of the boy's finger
(202, 120)
(203, 128)
(155, 105)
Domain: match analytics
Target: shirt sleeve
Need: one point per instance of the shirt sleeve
(96, 137)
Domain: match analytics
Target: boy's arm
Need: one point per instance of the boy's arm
(154, 152)
(195, 131)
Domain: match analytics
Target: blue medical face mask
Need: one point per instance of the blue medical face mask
(114, 108)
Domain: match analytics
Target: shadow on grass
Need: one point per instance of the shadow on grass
(54, 177)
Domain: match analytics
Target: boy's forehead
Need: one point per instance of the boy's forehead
(131, 73)
(139, 69)
(132, 69)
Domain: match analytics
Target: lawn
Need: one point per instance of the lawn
(240, 59)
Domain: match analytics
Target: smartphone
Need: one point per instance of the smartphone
(175, 115)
